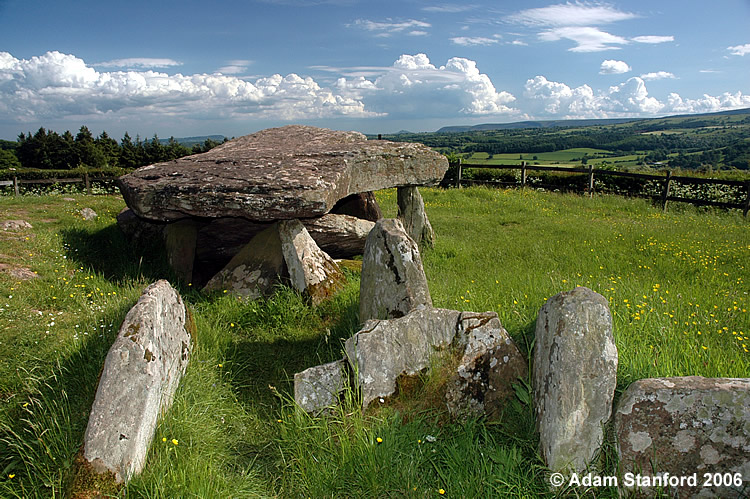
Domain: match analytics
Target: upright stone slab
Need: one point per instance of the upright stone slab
(383, 350)
(311, 271)
(393, 281)
(575, 368)
(255, 270)
(180, 238)
(490, 364)
(687, 426)
(412, 215)
(140, 376)
(277, 174)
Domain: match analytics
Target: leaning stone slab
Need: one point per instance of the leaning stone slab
(341, 236)
(277, 174)
(385, 349)
(393, 281)
(411, 213)
(490, 364)
(311, 271)
(254, 271)
(687, 426)
(138, 382)
(575, 367)
(319, 387)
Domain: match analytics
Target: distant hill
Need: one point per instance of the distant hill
(576, 123)
(191, 141)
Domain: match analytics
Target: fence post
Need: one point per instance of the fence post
(523, 173)
(591, 181)
(15, 185)
(665, 193)
(747, 200)
(458, 177)
(86, 181)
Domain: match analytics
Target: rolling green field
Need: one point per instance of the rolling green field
(568, 157)
(677, 284)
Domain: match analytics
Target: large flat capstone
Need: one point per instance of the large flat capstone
(276, 174)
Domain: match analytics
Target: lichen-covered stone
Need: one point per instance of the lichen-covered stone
(319, 387)
(490, 364)
(574, 376)
(14, 225)
(411, 213)
(254, 271)
(141, 373)
(88, 214)
(311, 271)
(685, 426)
(341, 236)
(277, 174)
(393, 281)
(385, 349)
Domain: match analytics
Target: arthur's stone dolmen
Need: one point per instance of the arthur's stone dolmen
(393, 281)
(224, 197)
(141, 373)
(690, 427)
(574, 377)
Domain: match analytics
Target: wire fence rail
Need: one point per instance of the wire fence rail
(729, 194)
(86, 179)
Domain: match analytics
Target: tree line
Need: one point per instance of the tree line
(51, 150)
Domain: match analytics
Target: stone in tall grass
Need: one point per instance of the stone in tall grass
(412, 215)
(575, 367)
(319, 387)
(393, 281)
(685, 426)
(141, 373)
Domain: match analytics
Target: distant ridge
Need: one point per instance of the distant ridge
(191, 141)
(574, 123)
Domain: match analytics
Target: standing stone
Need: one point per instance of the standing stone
(254, 271)
(385, 349)
(490, 364)
(361, 205)
(575, 367)
(311, 271)
(393, 281)
(140, 376)
(319, 387)
(180, 238)
(411, 213)
(685, 426)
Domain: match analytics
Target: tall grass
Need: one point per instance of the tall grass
(677, 284)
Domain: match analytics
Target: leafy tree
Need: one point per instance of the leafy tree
(8, 159)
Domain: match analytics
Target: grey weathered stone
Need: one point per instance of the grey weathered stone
(180, 238)
(319, 387)
(393, 281)
(385, 349)
(15, 225)
(575, 367)
(686, 426)
(141, 373)
(412, 215)
(341, 236)
(277, 174)
(255, 270)
(88, 214)
(362, 205)
(16, 272)
(490, 364)
(311, 271)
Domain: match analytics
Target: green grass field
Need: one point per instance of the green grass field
(677, 284)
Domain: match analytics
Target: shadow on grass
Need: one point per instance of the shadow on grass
(46, 431)
(109, 253)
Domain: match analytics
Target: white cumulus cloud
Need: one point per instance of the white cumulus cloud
(658, 75)
(56, 85)
(612, 67)
(739, 49)
(414, 87)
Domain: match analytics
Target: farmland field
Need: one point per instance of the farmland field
(677, 284)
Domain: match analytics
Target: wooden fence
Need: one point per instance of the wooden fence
(668, 181)
(85, 179)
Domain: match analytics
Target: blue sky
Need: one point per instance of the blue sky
(235, 67)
